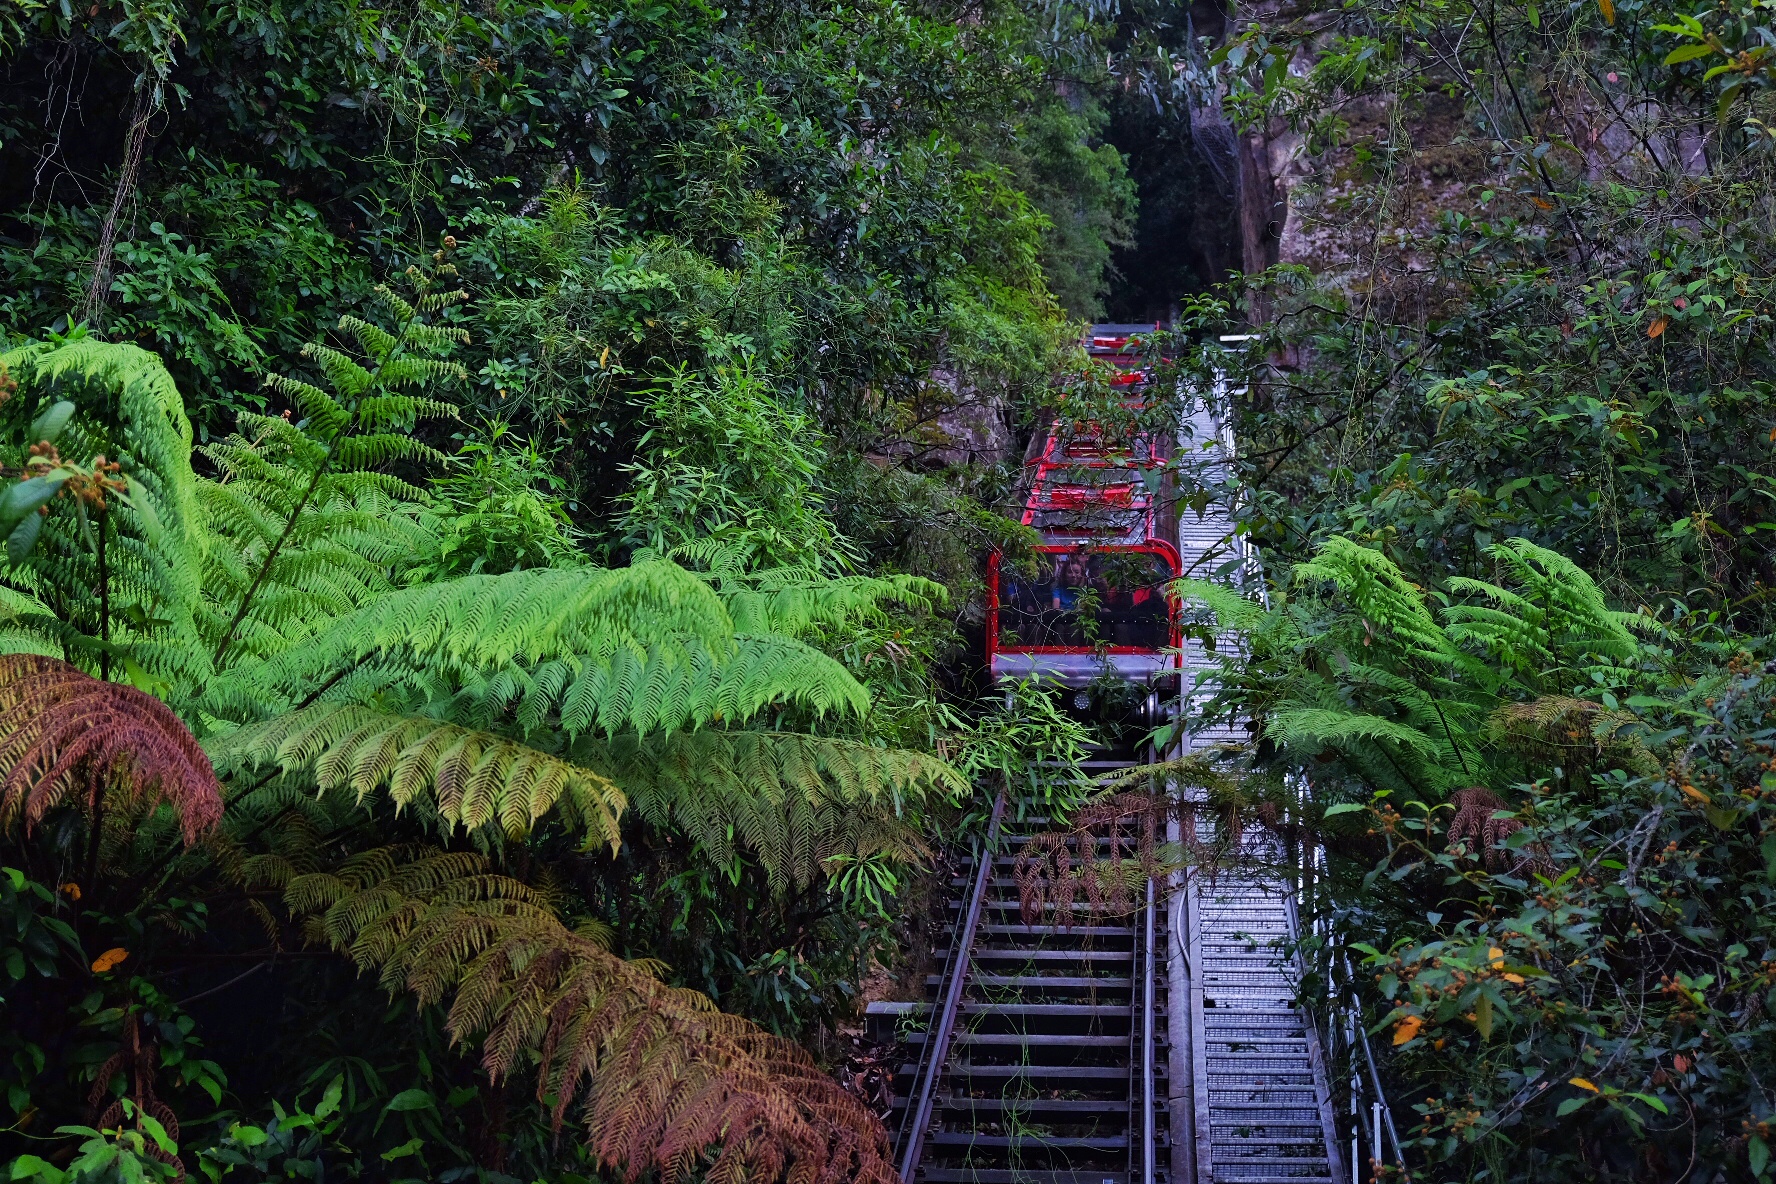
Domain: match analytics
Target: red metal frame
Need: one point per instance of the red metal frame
(1053, 486)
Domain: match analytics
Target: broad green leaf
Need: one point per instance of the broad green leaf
(49, 425)
(1688, 53)
(411, 1099)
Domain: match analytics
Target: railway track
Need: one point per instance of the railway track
(1160, 1046)
(1044, 1061)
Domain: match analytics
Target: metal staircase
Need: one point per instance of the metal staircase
(1259, 1091)
(1260, 1106)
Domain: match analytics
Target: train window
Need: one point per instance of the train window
(1085, 599)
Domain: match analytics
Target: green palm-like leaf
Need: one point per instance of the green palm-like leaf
(157, 564)
(790, 800)
(465, 776)
(1322, 726)
(796, 600)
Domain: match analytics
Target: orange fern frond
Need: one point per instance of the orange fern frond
(668, 1086)
(1116, 841)
(64, 732)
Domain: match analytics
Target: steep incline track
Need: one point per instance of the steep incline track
(1257, 1088)
(1047, 1053)
(1260, 1090)
(1055, 1067)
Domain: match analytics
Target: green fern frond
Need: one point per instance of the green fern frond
(401, 411)
(644, 647)
(348, 379)
(1325, 727)
(795, 601)
(435, 339)
(157, 565)
(1377, 589)
(479, 621)
(410, 371)
(346, 547)
(322, 413)
(1231, 610)
(373, 339)
(464, 776)
(670, 686)
(1577, 613)
(791, 801)
(364, 452)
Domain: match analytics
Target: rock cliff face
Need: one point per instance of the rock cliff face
(1362, 213)
(1359, 214)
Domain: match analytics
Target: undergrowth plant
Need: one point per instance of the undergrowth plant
(408, 757)
(1378, 685)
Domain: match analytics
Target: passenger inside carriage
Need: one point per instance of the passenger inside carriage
(1083, 600)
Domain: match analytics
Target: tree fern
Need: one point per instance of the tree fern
(796, 600)
(354, 538)
(1360, 669)
(271, 607)
(647, 647)
(127, 408)
(666, 1085)
(1556, 620)
(65, 734)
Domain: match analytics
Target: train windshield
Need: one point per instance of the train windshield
(1084, 599)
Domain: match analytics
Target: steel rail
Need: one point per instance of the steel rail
(1147, 1012)
(938, 1047)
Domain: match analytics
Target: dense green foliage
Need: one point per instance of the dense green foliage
(1553, 853)
(492, 499)
(503, 437)
(1521, 333)
(1564, 331)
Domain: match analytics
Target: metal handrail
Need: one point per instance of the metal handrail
(1147, 1065)
(1371, 1117)
(937, 1047)
(1381, 1113)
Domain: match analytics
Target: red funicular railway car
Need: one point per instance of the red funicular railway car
(1102, 501)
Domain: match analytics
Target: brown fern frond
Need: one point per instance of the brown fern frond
(1477, 830)
(666, 1085)
(1116, 841)
(137, 1060)
(63, 732)
(1573, 733)
(1110, 861)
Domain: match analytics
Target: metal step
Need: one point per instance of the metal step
(1045, 1010)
